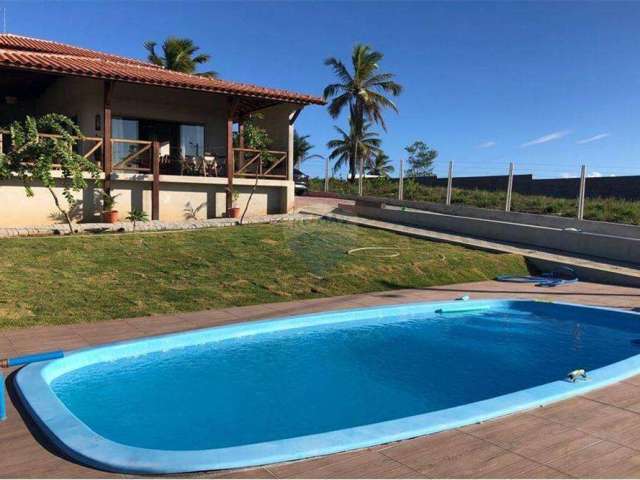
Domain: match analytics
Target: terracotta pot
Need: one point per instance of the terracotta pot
(233, 212)
(110, 217)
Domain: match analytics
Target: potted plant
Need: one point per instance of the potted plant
(109, 215)
(234, 211)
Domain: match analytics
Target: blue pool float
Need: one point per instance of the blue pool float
(558, 276)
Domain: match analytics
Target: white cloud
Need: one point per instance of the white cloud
(595, 138)
(566, 175)
(595, 174)
(547, 138)
(488, 144)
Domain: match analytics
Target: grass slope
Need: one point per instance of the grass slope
(601, 209)
(92, 278)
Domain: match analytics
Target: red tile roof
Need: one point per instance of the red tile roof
(27, 53)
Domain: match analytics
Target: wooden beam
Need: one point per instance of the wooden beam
(231, 110)
(107, 150)
(294, 116)
(155, 186)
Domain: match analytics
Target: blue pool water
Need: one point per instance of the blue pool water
(306, 380)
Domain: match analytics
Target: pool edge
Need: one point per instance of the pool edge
(111, 456)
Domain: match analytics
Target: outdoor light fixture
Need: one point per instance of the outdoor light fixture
(98, 123)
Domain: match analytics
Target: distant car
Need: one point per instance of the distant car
(301, 182)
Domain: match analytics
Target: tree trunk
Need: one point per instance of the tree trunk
(353, 164)
(64, 212)
(246, 207)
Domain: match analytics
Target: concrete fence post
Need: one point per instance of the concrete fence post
(581, 192)
(326, 174)
(449, 183)
(401, 182)
(361, 177)
(507, 206)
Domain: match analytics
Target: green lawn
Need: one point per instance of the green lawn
(92, 278)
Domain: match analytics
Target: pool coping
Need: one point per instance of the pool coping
(76, 439)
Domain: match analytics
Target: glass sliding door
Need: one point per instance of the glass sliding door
(191, 140)
(126, 129)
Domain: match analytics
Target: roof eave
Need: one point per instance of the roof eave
(213, 90)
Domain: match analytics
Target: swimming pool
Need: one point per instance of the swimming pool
(284, 389)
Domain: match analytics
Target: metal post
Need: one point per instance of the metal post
(449, 183)
(401, 182)
(360, 179)
(583, 183)
(507, 207)
(326, 174)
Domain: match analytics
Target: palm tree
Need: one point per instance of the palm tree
(363, 91)
(380, 165)
(179, 54)
(364, 143)
(301, 149)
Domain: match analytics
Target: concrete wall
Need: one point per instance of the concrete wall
(178, 196)
(552, 221)
(592, 244)
(82, 98)
(627, 187)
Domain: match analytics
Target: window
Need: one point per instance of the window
(127, 130)
(191, 140)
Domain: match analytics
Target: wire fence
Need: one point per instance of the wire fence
(573, 192)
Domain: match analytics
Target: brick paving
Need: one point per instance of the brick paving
(594, 435)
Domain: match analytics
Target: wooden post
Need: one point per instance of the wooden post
(240, 159)
(155, 186)
(449, 183)
(230, 159)
(582, 191)
(507, 206)
(293, 116)
(401, 181)
(326, 174)
(107, 147)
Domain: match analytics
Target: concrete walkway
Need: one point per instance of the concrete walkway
(597, 435)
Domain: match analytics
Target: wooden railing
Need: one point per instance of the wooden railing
(250, 163)
(138, 158)
(87, 146)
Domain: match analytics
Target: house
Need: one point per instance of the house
(163, 139)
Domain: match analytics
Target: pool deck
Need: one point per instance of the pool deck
(596, 435)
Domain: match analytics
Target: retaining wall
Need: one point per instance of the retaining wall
(604, 246)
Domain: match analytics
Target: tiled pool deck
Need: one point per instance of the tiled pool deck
(596, 435)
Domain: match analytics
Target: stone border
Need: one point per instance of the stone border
(151, 226)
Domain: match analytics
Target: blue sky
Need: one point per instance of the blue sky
(546, 85)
